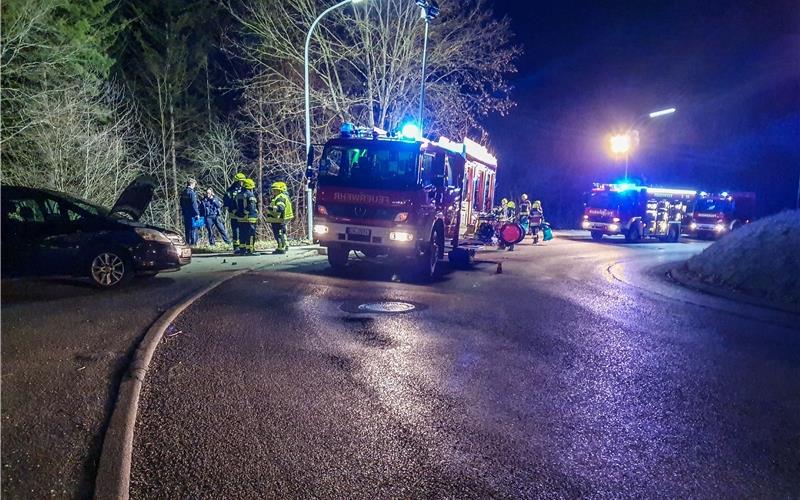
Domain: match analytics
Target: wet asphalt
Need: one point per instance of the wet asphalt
(580, 371)
(65, 346)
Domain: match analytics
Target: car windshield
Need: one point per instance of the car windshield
(84, 205)
(379, 166)
(712, 205)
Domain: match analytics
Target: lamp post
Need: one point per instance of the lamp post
(623, 143)
(309, 197)
(429, 11)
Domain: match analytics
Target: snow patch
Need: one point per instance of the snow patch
(761, 258)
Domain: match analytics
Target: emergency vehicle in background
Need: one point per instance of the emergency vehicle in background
(402, 197)
(636, 211)
(715, 214)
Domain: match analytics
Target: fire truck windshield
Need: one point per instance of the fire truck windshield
(610, 200)
(712, 205)
(370, 165)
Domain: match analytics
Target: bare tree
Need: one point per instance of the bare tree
(366, 68)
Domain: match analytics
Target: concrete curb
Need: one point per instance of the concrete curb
(680, 276)
(114, 470)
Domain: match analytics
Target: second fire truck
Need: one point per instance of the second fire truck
(636, 212)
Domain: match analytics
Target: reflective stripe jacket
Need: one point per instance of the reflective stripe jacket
(280, 209)
(246, 206)
(524, 208)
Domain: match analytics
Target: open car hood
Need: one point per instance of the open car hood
(136, 197)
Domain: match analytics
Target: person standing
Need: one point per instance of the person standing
(247, 215)
(279, 213)
(230, 204)
(524, 213)
(213, 212)
(190, 210)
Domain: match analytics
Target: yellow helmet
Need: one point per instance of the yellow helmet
(278, 186)
(511, 204)
(537, 204)
(240, 177)
(249, 184)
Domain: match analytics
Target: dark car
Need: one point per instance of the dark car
(46, 233)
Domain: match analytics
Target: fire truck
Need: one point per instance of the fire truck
(398, 196)
(636, 212)
(715, 214)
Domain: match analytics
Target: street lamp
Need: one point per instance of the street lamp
(623, 143)
(309, 197)
(429, 11)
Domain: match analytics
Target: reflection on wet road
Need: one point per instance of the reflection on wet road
(574, 372)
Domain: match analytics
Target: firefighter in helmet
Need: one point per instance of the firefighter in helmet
(230, 203)
(524, 213)
(247, 215)
(279, 213)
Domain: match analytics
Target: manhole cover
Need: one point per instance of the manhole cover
(381, 307)
(386, 307)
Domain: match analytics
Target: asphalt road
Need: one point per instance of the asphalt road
(578, 371)
(65, 346)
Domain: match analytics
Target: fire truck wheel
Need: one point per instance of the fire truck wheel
(428, 261)
(338, 256)
(633, 235)
(597, 235)
(674, 235)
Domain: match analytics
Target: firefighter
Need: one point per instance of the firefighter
(537, 219)
(510, 214)
(247, 217)
(190, 210)
(524, 213)
(230, 203)
(279, 213)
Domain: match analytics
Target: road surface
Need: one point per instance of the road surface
(578, 371)
(65, 347)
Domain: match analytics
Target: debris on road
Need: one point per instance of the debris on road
(760, 258)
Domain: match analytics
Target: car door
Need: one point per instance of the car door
(22, 226)
(68, 229)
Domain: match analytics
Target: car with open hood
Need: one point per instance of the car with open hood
(47, 233)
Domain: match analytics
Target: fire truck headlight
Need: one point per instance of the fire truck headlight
(400, 236)
(586, 224)
(401, 217)
(321, 210)
(693, 226)
(719, 228)
(615, 219)
(613, 227)
(320, 229)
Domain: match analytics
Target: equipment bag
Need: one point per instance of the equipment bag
(547, 232)
(198, 222)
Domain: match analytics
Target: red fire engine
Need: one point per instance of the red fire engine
(397, 196)
(715, 214)
(636, 211)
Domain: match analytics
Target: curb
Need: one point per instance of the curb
(680, 276)
(114, 469)
(319, 249)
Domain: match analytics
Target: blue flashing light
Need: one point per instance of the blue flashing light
(347, 129)
(410, 131)
(624, 186)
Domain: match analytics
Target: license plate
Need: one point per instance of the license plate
(358, 231)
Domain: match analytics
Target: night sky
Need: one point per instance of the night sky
(591, 68)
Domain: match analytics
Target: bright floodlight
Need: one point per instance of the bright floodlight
(410, 131)
(662, 112)
(620, 144)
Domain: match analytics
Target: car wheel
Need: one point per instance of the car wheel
(338, 256)
(110, 269)
(597, 235)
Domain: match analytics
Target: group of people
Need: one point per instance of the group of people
(241, 202)
(528, 215)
